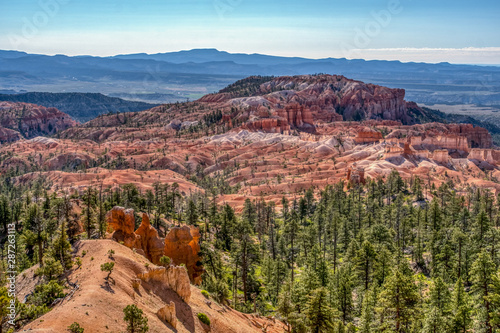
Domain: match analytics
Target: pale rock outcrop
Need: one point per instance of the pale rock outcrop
(491, 156)
(446, 141)
(368, 135)
(441, 156)
(173, 277)
(167, 314)
(393, 150)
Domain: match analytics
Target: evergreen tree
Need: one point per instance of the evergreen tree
(136, 322)
(482, 274)
(461, 309)
(342, 288)
(368, 311)
(364, 260)
(36, 223)
(319, 314)
(399, 299)
(438, 313)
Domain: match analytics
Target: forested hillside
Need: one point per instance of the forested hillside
(80, 106)
(393, 255)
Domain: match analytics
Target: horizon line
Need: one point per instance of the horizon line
(299, 57)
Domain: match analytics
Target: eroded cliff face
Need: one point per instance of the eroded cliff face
(30, 120)
(181, 244)
(432, 136)
(122, 222)
(477, 137)
(368, 135)
(173, 277)
(301, 102)
(148, 241)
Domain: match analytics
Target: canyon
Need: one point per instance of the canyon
(269, 137)
(258, 139)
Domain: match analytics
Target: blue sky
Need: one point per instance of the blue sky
(419, 30)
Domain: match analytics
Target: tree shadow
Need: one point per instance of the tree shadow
(107, 286)
(183, 311)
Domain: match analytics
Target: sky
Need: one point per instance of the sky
(454, 31)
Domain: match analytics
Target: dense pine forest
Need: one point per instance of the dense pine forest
(391, 255)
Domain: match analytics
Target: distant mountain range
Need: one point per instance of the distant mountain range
(178, 76)
(80, 106)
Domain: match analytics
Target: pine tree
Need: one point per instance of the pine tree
(191, 213)
(482, 273)
(5, 212)
(495, 301)
(368, 311)
(342, 288)
(399, 299)
(285, 306)
(136, 322)
(461, 308)
(61, 248)
(364, 260)
(318, 313)
(36, 223)
(481, 227)
(437, 317)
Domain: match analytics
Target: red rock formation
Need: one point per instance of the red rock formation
(303, 101)
(122, 221)
(491, 156)
(446, 141)
(268, 125)
(368, 135)
(441, 156)
(148, 241)
(68, 160)
(407, 149)
(8, 135)
(333, 93)
(33, 120)
(297, 116)
(478, 137)
(356, 175)
(182, 246)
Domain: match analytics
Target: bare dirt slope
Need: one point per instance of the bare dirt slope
(98, 307)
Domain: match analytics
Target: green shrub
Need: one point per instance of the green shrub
(204, 318)
(52, 269)
(78, 262)
(46, 294)
(31, 311)
(108, 267)
(205, 293)
(165, 261)
(75, 328)
(135, 320)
